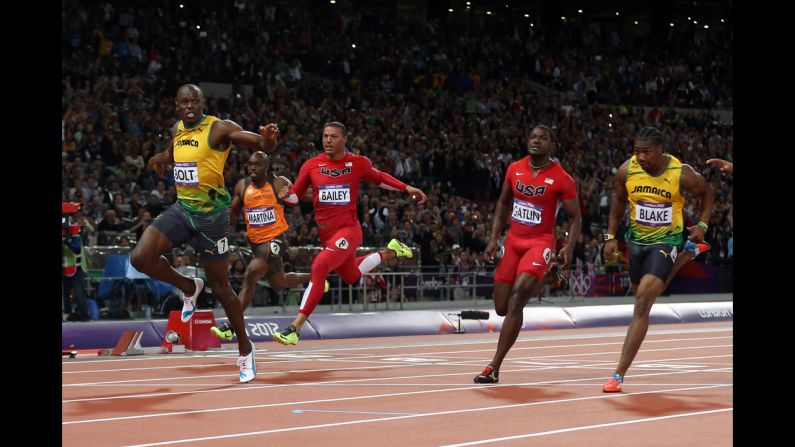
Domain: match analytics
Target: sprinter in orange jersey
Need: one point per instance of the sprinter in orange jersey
(263, 211)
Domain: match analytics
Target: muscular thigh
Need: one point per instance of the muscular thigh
(536, 259)
(174, 224)
(342, 240)
(205, 232)
(530, 256)
(271, 252)
(210, 239)
(654, 259)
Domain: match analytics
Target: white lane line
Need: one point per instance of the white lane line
(448, 342)
(274, 358)
(236, 387)
(438, 413)
(347, 412)
(592, 363)
(589, 427)
(347, 398)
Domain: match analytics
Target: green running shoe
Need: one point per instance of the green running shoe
(287, 337)
(401, 250)
(224, 332)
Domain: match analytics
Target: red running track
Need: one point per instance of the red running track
(414, 390)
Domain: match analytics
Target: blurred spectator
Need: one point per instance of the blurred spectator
(153, 205)
(452, 114)
(141, 223)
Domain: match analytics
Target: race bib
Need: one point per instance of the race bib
(654, 214)
(526, 213)
(276, 248)
(186, 173)
(223, 245)
(334, 194)
(260, 217)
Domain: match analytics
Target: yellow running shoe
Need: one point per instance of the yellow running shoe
(287, 337)
(401, 250)
(224, 332)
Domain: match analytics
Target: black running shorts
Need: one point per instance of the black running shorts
(273, 251)
(654, 259)
(206, 233)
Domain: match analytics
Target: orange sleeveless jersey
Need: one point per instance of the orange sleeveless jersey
(264, 215)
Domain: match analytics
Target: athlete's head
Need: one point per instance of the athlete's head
(335, 135)
(190, 103)
(258, 164)
(541, 141)
(649, 148)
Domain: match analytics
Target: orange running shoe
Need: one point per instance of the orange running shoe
(613, 384)
(696, 248)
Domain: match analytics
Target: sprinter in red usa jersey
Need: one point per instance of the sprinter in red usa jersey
(533, 188)
(335, 176)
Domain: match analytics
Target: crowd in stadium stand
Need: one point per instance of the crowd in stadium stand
(426, 103)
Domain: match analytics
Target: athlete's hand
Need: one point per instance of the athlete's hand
(158, 163)
(565, 255)
(696, 233)
(270, 134)
(611, 250)
(416, 194)
(284, 191)
(491, 250)
(723, 165)
(269, 131)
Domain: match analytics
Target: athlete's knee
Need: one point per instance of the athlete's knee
(520, 295)
(517, 302)
(501, 296)
(350, 277)
(643, 304)
(221, 289)
(277, 284)
(321, 265)
(140, 260)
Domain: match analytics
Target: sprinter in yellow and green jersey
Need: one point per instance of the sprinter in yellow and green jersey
(651, 182)
(198, 152)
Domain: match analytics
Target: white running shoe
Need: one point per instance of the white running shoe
(248, 366)
(189, 302)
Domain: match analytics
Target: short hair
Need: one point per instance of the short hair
(338, 125)
(195, 88)
(551, 133)
(261, 155)
(650, 133)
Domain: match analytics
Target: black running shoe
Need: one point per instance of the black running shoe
(489, 375)
(555, 277)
